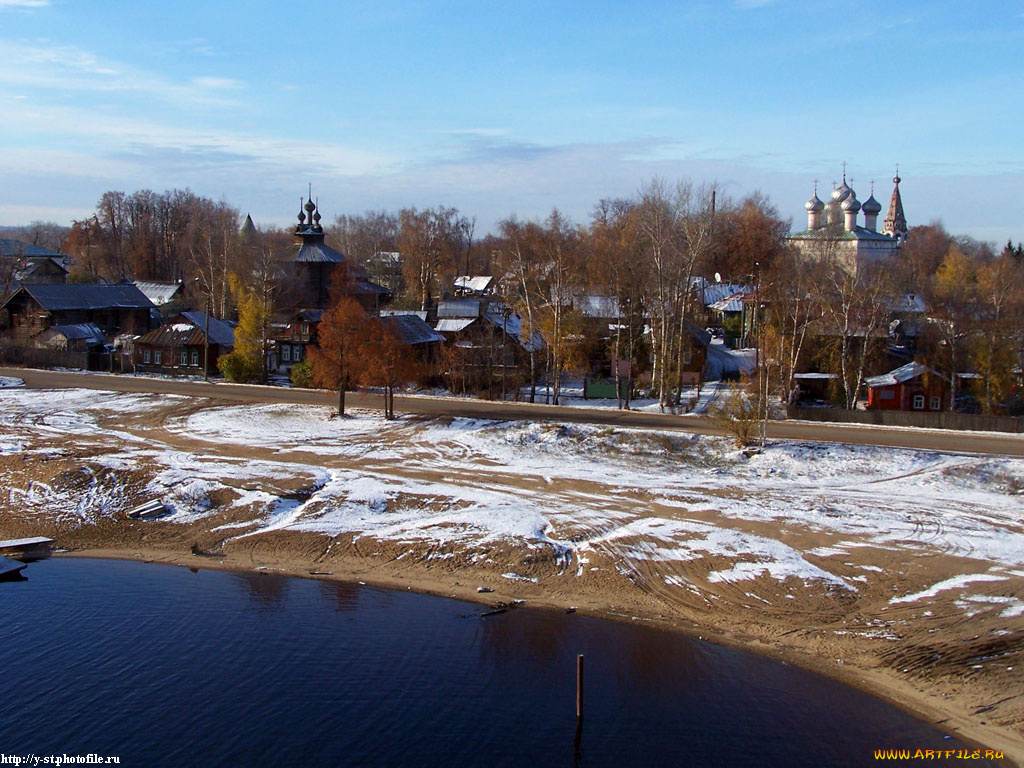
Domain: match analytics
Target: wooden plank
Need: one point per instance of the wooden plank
(8, 566)
(19, 543)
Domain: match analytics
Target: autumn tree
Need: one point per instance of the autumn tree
(999, 319)
(337, 359)
(431, 243)
(615, 267)
(256, 293)
(521, 261)
(952, 299)
(387, 362)
(790, 311)
(853, 314)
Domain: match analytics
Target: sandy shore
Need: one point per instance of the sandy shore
(880, 618)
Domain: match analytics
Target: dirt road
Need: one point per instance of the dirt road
(922, 439)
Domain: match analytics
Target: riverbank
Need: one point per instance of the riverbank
(898, 572)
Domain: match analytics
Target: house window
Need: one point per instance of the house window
(195, 357)
(887, 394)
(146, 356)
(918, 402)
(296, 353)
(687, 356)
(286, 353)
(184, 357)
(158, 356)
(936, 403)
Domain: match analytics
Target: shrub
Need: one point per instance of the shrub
(302, 374)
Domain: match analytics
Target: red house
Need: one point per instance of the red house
(911, 387)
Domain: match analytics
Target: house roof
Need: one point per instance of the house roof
(598, 306)
(308, 316)
(459, 308)
(32, 264)
(712, 293)
(65, 297)
(158, 293)
(476, 283)
(731, 303)
(10, 247)
(454, 324)
(421, 314)
(907, 303)
(512, 324)
(220, 332)
(899, 375)
(411, 329)
(90, 332)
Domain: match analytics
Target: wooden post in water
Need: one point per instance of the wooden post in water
(579, 687)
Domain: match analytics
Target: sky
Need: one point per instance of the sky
(501, 108)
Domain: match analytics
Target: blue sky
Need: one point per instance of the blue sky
(501, 108)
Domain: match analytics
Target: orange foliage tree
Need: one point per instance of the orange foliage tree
(387, 362)
(338, 358)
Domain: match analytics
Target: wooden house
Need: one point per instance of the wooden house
(911, 387)
(181, 347)
(115, 309)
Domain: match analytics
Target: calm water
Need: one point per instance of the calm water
(165, 667)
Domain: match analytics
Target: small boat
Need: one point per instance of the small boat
(9, 569)
(26, 550)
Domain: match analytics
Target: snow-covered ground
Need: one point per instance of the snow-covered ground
(698, 513)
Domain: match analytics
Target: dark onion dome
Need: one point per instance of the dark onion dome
(814, 205)
(851, 204)
(871, 207)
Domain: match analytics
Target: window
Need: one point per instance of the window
(146, 356)
(195, 357)
(918, 402)
(887, 394)
(158, 357)
(936, 403)
(296, 353)
(184, 357)
(286, 353)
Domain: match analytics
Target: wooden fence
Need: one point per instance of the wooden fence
(964, 421)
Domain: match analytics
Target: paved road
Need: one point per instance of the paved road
(940, 440)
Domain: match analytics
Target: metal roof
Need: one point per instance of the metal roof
(411, 329)
(459, 308)
(733, 303)
(220, 332)
(422, 315)
(64, 297)
(453, 324)
(712, 293)
(158, 293)
(900, 375)
(88, 331)
(827, 234)
(512, 324)
(9, 247)
(476, 283)
(313, 250)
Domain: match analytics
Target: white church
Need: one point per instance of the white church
(833, 231)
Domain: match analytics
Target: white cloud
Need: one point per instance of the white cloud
(45, 67)
(23, 4)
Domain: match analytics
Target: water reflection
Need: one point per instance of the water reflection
(267, 590)
(345, 595)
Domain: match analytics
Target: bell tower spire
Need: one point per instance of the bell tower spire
(895, 224)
